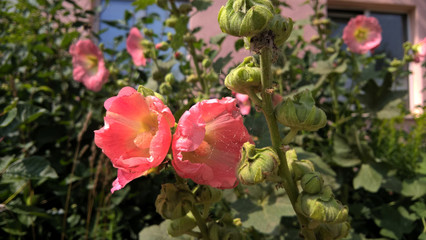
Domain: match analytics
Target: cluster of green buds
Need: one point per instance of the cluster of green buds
(300, 113)
(327, 216)
(174, 201)
(245, 78)
(258, 165)
(251, 18)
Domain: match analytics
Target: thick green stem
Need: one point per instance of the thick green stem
(268, 110)
(201, 223)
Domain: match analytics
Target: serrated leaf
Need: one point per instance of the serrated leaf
(419, 208)
(34, 167)
(414, 188)
(368, 178)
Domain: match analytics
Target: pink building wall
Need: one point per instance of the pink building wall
(415, 10)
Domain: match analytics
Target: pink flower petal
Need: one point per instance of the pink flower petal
(89, 65)
(207, 143)
(134, 47)
(136, 136)
(362, 34)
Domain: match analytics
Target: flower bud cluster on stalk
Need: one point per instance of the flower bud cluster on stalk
(264, 30)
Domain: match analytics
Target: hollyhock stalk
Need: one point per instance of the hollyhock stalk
(268, 111)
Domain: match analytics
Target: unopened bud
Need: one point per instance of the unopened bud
(171, 21)
(192, 78)
(334, 231)
(301, 168)
(162, 46)
(169, 78)
(163, 4)
(146, 43)
(206, 194)
(212, 77)
(312, 183)
(180, 226)
(173, 202)
(178, 55)
(300, 113)
(165, 88)
(206, 62)
(281, 27)
(257, 165)
(148, 32)
(189, 38)
(245, 18)
(245, 77)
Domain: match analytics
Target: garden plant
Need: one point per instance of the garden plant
(165, 138)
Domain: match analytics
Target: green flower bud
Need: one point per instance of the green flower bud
(333, 231)
(189, 38)
(282, 28)
(244, 77)
(258, 165)
(291, 157)
(300, 113)
(245, 18)
(212, 77)
(322, 207)
(146, 43)
(148, 92)
(192, 78)
(301, 168)
(165, 88)
(163, 46)
(185, 8)
(206, 62)
(180, 226)
(174, 202)
(148, 32)
(169, 78)
(312, 183)
(206, 194)
(169, 36)
(171, 21)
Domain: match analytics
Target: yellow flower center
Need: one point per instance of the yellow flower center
(91, 63)
(361, 34)
(147, 131)
(200, 154)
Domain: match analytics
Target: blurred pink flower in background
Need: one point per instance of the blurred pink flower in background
(243, 102)
(207, 143)
(89, 65)
(136, 136)
(135, 48)
(362, 34)
(420, 51)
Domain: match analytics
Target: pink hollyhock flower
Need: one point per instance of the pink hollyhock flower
(420, 51)
(362, 34)
(89, 65)
(136, 136)
(135, 48)
(207, 143)
(243, 101)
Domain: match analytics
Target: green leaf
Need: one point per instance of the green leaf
(368, 178)
(419, 208)
(395, 222)
(201, 5)
(218, 39)
(221, 62)
(159, 232)
(239, 44)
(414, 188)
(344, 157)
(34, 167)
(9, 117)
(181, 29)
(142, 4)
(266, 215)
